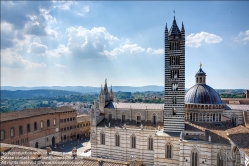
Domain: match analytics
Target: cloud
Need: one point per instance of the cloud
(243, 37)
(28, 19)
(84, 11)
(15, 60)
(63, 5)
(153, 51)
(196, 40)
(36, 47)
(87, 43)
(61, 50)
(132, 48)
(59, 66)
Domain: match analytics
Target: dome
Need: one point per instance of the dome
(202, 94)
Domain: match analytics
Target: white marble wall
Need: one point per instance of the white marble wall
(123, 152)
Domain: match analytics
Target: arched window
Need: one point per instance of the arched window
(138, 118)
(236, 155)
(28, 128)
(219, 159)
(194, 158)
(20, 130)
(117, 139)
(110, 116)
(12, 132)
(133, 141)
(54, 121)
(102, 138)
(123, 118)
(48, 123)
(42, 124)
(35, 126)
(234, 120)
(150, 143)
(154, 119)
(168, 151)
(174, 111)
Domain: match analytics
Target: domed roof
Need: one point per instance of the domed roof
(202, 94)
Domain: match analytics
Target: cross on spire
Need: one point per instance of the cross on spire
(200, 65)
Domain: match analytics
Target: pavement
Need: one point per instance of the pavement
(80, 144)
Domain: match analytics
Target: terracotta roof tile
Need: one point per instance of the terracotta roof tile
(240, 136)
(32, 112)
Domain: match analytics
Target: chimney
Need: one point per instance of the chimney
(247, 94)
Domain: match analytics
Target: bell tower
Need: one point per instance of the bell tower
(174, 106)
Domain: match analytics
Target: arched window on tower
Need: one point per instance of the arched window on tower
(174, 111)
(174, 86)
(168, 151)
(194, 158)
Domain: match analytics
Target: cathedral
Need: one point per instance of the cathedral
(193, 128)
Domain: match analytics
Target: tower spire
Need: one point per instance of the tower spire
(182, 27)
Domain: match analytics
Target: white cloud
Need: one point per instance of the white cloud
(60, 66)
(63, 5)
(36, 47)
(153, 51)
(59, 51)
(84, 11)
(87, 43)
(132, 48)
(243, 37)
(196, 40)
(15, 60)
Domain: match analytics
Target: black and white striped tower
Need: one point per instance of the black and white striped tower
(174, 110)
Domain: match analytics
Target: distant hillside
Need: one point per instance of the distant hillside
(28, 94)
(88, 89)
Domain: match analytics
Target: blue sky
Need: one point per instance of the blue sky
(80, 43)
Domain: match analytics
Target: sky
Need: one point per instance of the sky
(82, 43)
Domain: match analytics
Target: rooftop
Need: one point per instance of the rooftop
(130, 124)
(237, 107)
(240, 136)
(32, 112)
(217, 131)
(82, 118)
(135, 106)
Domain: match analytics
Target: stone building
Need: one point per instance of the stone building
(195, 128)
(42, 127)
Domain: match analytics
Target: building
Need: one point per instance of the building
(21, 155)
(195, 128)
(42, 127)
